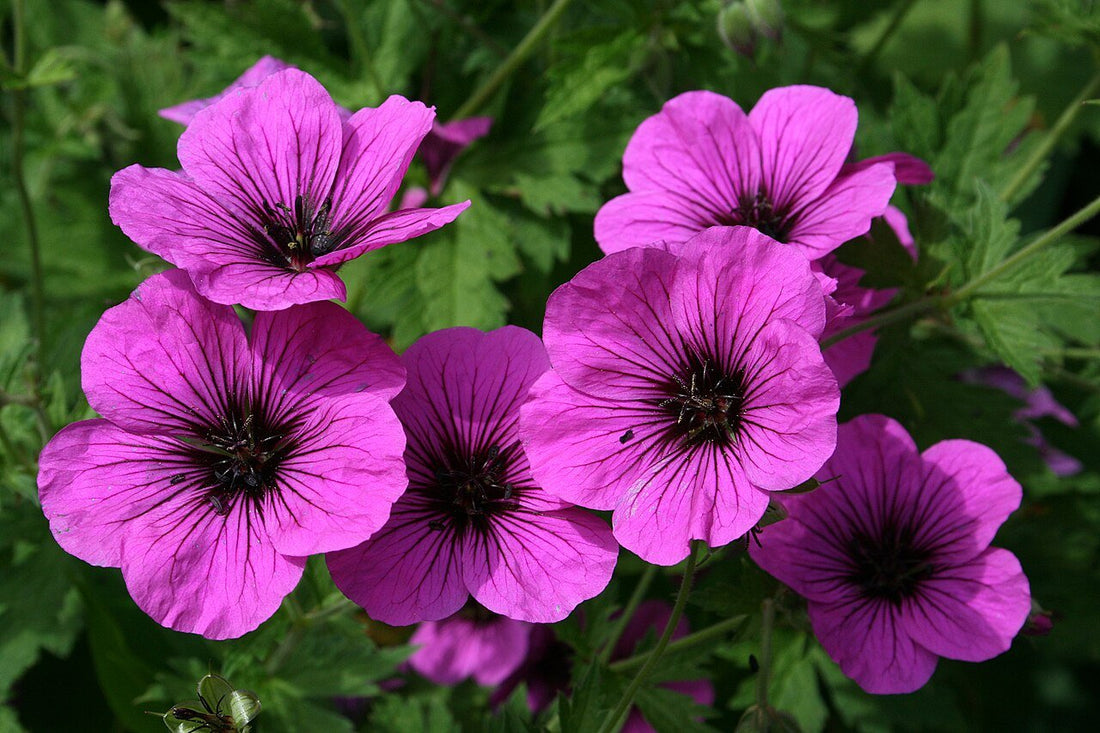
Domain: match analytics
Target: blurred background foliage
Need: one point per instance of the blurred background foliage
(976, 87)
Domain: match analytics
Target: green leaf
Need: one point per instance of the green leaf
(589, 703)
(579, 83)
(669, 711)
(400, 715)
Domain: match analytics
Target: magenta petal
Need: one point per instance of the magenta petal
(871, 648)
(397, 226)
(260, 286)
(337, 487)
(582, 448)
(94, 478)
(163, 359)
(790, 408)
(265, 67)
(973, 611)
(167, 214)
(909, 170)
(538, 566)
(457, 648)
(698, 495)
(844, 210)
(407, 572)
(193, 570)
(701, 148)
(805, 134)
(378, 145)
(266, 145)
(646, 219)
(985, 489)
(321, 349)
(605, 329)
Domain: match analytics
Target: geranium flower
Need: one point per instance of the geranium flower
(223, 460)
(473, 521)
(686, 388)
(276, 192)
(546, 670)
(472, 643)
(892, 555)
(848, 304)
(441, 146)
(701, 162)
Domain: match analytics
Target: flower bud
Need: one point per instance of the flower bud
(736, 29)
(766, 17)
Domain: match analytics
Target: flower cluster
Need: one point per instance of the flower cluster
(680, 385)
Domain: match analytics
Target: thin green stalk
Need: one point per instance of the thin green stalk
(900, 12)
(293, 636)
(18, 123)
(359, 48)
(763, 677)
(611, 723)
(901, 313)
(628, 612)
(716, 631)
(1041, 242)
(519, 54)
(1043, 150)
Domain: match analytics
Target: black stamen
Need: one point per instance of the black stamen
(705, 402)
(889, 565)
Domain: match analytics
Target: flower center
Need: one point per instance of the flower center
(758, 212)
(471, 488)
(706, 402)
(889, 566)
(299, 235)
(242, 456)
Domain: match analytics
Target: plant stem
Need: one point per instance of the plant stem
(1042, 241)
(900, 12)
(628, 612)
(1039, 155)
(764, 675)
(715, 631)
(519, 54)
(901, 313)
(359, 48)
(611, 723)
(19, 174)
(298, 622)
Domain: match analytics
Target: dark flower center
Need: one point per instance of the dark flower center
(471, 487)
(758, 211)
(241, 457)
(295, 237)
(706, 402)
(889, 566)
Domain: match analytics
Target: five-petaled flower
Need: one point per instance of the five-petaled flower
(223, 460)
(473, 521)
(892, 555)
(702, 162)
(686, 388)
(277, 191)
(472, 643)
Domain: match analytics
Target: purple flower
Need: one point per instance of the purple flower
(546, 670)
(892, 555)
(473, 521)
(701, 161)
(685, 389)
(277, 191)
(1038, 403)
(444, 142)
(849, 304)
(223, 460)
(472, 643)
(651, 617)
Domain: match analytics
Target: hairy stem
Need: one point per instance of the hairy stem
(628, 612)
(615, 717)
(519, 54)
(893, 315)
(716, 631)
(1039, 155)
(18, 124)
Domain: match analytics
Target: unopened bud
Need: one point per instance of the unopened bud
(766, 17)
(736, 29)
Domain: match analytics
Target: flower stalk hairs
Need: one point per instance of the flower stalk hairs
(223, 460)
(892, 555)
